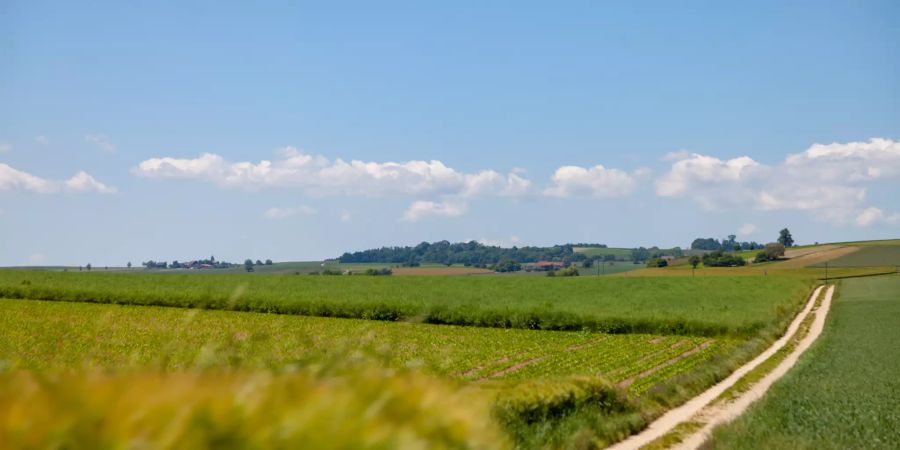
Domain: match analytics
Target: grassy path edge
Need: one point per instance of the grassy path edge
(676, 416)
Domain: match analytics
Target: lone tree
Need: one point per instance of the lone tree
(694, 260)
(785, 238)
(248, 265)
(129, 264)
(88, 266)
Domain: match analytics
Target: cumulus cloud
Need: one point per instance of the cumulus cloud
(318, 175)
(82, 182)
(695, 169)
(827, 181)
(11, 178)
(425, 208)
(281, 213)
(101, 141)
(597, 181)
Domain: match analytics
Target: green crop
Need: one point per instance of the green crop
(707, 306)
(843, 393)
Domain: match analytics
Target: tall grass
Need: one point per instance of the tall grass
(362, 407)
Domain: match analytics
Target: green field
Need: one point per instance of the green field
(619, 253)
(868, 255)
(656, 305)
(844, 392)
(59, 335)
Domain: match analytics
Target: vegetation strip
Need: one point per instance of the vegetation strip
(673, 417)
(739, 405)
(742, 306)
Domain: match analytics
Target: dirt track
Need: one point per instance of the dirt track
(674, 417)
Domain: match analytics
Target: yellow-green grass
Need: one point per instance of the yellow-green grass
(699, 306)
(348, 407)
(62, 336)
(844, 392)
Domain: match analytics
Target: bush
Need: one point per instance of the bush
(508, 266)
(379, 272)
(720, 259)
(657, 262)
(771, 252)
(570, 271)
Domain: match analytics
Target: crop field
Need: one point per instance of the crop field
(870, 255)
(58, 335)
(656, 305)
(624, 253)
(844, 392)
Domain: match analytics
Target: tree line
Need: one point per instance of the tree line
(470, 253)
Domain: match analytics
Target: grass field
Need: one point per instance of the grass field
(656, 305)
(844, 392)
(869, 255)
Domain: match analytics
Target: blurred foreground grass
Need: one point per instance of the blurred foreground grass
(348, 407)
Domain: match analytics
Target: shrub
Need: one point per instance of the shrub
(379, 272)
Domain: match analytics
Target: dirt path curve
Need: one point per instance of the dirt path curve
(671, 419)
(733, 409)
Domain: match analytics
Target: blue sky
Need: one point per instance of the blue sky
(131, 132)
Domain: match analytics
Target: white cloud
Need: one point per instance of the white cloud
(5, 147)
(101, 141)
(597, 181)
(871, 216)
(281, 213)
(695, 169)
(83, 182)
(11, 178)
(41, 140)
(746, 229)
(424, 208)
(346, 216)
(827, 181)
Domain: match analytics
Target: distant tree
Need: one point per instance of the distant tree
(705, 244)
(268, 262)
(588, 263)
(258, 262)
(609, 257)
(88, 266)
(248, 265)
(571, 271)
(694, 260)
(785, 238)
(129, 264)
(770, 252)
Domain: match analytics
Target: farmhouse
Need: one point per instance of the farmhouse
(544, 265)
